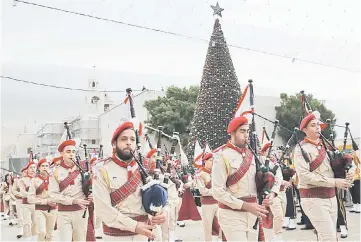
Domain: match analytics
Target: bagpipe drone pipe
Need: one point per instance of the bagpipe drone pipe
(287, 171)
(154, 194)
(265, 176)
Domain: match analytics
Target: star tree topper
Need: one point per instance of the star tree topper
(217, 10)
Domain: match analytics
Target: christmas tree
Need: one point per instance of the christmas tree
(218, 95)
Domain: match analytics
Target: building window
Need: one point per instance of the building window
(93, 141)
(93, 84)
(106, 107)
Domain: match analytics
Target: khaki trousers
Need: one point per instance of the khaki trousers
(72, 225)
(29, 220)
(98, 223)
(98, 228)
(173, 214)
(162, 231)
(45, 223)
(278, 209)
(7, 207)
(322, 213)
(19, 212)
(208, 212)
(137, 237)
(237, 225)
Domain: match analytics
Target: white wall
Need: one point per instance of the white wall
(110, 120)
(23, 142)
(265, 106)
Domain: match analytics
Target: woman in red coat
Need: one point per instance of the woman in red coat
(188, 210)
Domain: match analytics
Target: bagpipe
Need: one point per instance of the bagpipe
(154, 195)
(84, 171)
(264, 176)
(287, 171)
(101, 152)
(340, 161)
(174, 175)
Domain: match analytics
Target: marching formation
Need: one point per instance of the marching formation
(247, 191)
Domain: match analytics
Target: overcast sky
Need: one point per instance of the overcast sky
(47, 46)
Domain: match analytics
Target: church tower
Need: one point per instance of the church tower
(97, 102)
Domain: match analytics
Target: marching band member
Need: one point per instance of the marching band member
(13, 220)
(289, 189)
(65, 189)
(234, 186)
(316, 181)
(209, 206)
(19, 202)
(165, 231)
(117, 193)
(45, 209)
(5, 190)
(29, 229)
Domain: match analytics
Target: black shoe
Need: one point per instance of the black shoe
(300, 223)
(338, 230)
(307, 228)
(11, 224)
(19, 236)
(178, 240)
(343, 236)
(290, 228)
(99, 237)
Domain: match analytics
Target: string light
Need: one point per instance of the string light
(184, 36)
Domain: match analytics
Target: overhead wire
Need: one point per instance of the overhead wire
(61, 87)
(183, 35)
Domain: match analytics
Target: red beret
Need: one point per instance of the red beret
(92, 160)
(121, 128)
(236, 122)
(207, 156)
(265, 147)
(69, 142)
(150, 153)
(306, 120)
(55, 160)
(28, 165)
(41, 162)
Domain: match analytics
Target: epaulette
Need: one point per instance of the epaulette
(55, 172)
(104, 161)
(220, 148)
